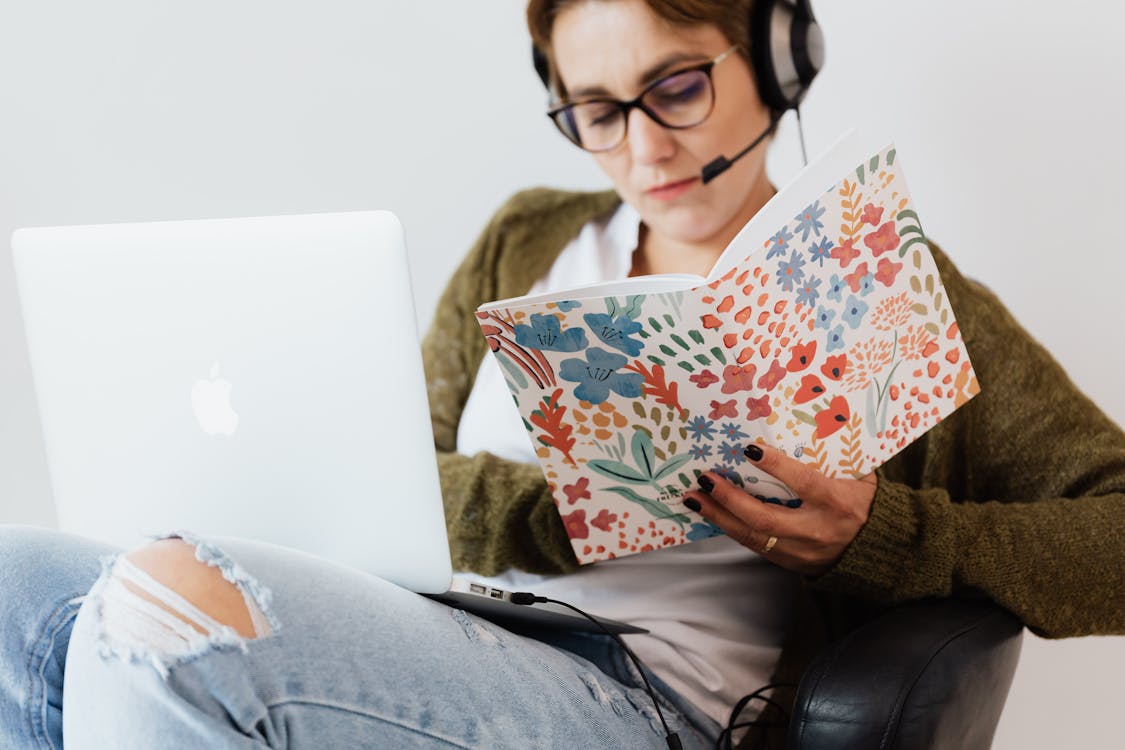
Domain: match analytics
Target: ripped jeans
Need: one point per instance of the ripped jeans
(339, 660)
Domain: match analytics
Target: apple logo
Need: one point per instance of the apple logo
(210, 401)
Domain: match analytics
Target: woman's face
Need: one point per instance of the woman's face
(614, 49)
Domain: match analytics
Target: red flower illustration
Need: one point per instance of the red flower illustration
(577, 491)
(576, 525)
(725, 409)
(772, 377)
(845, 252)
(802, 356)
(737, 378)
(872, 215)
(883, 239)
(833, 418)
(811, 388)
(834, 366)
(855, 278)
(604, 520)
(758, 408)
(887, 271)
(704, 379)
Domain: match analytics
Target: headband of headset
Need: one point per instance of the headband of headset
(786, 52)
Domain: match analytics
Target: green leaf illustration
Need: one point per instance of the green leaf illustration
(643, 453)
(652, 507)
(617, 470)
(633, 306)
(673, 464)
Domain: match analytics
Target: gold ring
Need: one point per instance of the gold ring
(769, 544)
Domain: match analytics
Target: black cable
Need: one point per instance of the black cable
(526, 597)
(726, 737)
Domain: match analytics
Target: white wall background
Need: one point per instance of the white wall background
(1007, 114)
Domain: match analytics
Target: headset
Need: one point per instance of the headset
(786, 52)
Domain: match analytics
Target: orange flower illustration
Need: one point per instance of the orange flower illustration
(811, 387)
(887, 271)
(892, 312)
(835, 366)
(916, 343)
(833, 418)
(737, 378)
(802, 356)
(867, 359)
(882, 240)
(575, 524)
(872, 215)
(758, 408)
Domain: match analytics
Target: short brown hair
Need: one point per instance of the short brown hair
(731, 17)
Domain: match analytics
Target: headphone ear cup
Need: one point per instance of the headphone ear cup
(786, 49)
(761, 56)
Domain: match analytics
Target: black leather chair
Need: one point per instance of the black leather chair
(930, 674)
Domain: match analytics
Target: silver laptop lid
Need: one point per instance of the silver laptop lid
(252, 377)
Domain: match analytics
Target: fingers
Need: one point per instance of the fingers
(804, 481)
(733, 526)
(749, 510)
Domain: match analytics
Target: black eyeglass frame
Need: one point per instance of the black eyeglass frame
(637, 103)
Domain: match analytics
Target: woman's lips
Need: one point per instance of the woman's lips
(670, 190)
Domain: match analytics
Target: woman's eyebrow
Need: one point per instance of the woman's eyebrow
(650, 74)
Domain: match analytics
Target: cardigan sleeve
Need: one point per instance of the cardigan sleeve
(500, 514)
(1019, 495)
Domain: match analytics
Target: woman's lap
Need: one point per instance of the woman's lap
(351, 661)
(44, 576)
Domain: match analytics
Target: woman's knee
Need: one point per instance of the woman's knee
(174, 599)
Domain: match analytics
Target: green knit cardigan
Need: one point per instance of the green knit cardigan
(1019, 495)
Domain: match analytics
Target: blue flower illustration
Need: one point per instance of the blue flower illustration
(615, 332)
(732, 432)
(835, 339)
(824, 317)
(700, 452)
(854, 310)
(598, 375)
(731, 453)
(567, 305)
(808, 292)
(701, 428)
(779, 243)
(545, 333)
(867, 284)
(789, 272)
(704, 530)
(821, 251)
(809, 221)
(728, 473)
(836, 288)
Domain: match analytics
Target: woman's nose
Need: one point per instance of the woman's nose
(649, 142)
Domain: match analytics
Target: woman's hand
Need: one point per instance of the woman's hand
(808, 539)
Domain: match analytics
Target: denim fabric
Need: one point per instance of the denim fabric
(44, 576)
(350, 661)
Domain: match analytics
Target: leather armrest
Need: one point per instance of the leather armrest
(929, 674)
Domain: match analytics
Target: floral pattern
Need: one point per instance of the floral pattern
(598, 375)
(833, 340)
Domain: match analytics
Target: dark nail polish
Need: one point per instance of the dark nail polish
(706, 483)
(753, 452)
(692, 504)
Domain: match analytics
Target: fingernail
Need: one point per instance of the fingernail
(692, 504)
(706, 483)
(753, 452)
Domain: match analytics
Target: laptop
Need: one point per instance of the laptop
(257, 378)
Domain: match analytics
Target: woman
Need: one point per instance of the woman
(1016, 495)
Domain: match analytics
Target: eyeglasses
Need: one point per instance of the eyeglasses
(677, 101)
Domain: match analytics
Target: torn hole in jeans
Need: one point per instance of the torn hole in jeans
(140, 619)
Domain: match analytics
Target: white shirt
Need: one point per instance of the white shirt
(716, 611)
